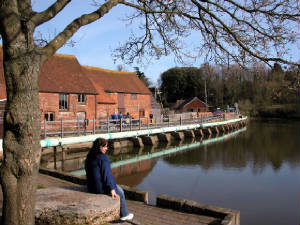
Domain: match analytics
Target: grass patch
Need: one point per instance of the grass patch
(40, 186)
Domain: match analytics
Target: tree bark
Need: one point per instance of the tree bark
(21, 138)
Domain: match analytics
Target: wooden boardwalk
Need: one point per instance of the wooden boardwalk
(152, 215)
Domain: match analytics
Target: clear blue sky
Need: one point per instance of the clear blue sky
(95, 42)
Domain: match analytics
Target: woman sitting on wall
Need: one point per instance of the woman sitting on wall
(99, 176)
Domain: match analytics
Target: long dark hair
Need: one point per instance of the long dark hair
(99, 142)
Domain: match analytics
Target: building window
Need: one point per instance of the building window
(133, 96)
(82, 98)
(49, 116)
(63, 102)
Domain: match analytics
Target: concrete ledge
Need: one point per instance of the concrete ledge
(166, 201)
(130, 193)
(135, 194)
(226, 216)
(193, 207)
(69, 205)
(64, 176)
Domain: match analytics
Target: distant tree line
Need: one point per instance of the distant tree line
(258, 90)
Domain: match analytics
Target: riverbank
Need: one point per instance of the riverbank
(153, 215)
(282, 111)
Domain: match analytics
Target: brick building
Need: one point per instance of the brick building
(190, 105)
(70, 91)
(123, 93)
(65, 90)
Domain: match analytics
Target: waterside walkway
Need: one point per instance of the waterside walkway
(192, 125)
(144, 214)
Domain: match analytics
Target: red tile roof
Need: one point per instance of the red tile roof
(180, 104)
(117, 81)
(102, 96)
(63, 74)
(59, 74)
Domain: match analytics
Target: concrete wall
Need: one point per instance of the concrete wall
(226, 216)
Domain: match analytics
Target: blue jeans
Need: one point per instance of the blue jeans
(123, 206)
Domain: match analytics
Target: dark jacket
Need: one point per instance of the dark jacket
(98, 174)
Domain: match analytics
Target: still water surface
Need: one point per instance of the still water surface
(256, 172)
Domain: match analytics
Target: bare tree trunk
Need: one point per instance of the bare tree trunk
(21, 142)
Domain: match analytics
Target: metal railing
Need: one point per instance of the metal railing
(64, 128)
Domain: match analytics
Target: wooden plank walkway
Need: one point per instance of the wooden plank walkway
(151, 215)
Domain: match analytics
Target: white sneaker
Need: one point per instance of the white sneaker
(128, 217)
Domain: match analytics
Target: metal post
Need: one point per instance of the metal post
(94, 126)
(140, 123)
(121, 127)
(63, 158)
(45, 128)
(54, 157)
(168, 121)
(130, 123)
(61, 128)
(147, 123)
(107, 125)
(180, 120)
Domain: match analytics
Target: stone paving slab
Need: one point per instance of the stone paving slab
(69, 206)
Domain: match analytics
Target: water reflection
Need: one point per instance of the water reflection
(256, 172)
(130, 161)
(262, 145)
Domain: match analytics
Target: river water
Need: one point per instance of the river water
(256, 172)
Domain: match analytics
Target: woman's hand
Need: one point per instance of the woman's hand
(114, 194)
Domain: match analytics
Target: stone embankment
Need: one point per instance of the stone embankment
(73, 205)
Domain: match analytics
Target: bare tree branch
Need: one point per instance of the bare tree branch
(236, 38)
(68, 32)
(51, 12)
(254, 29)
